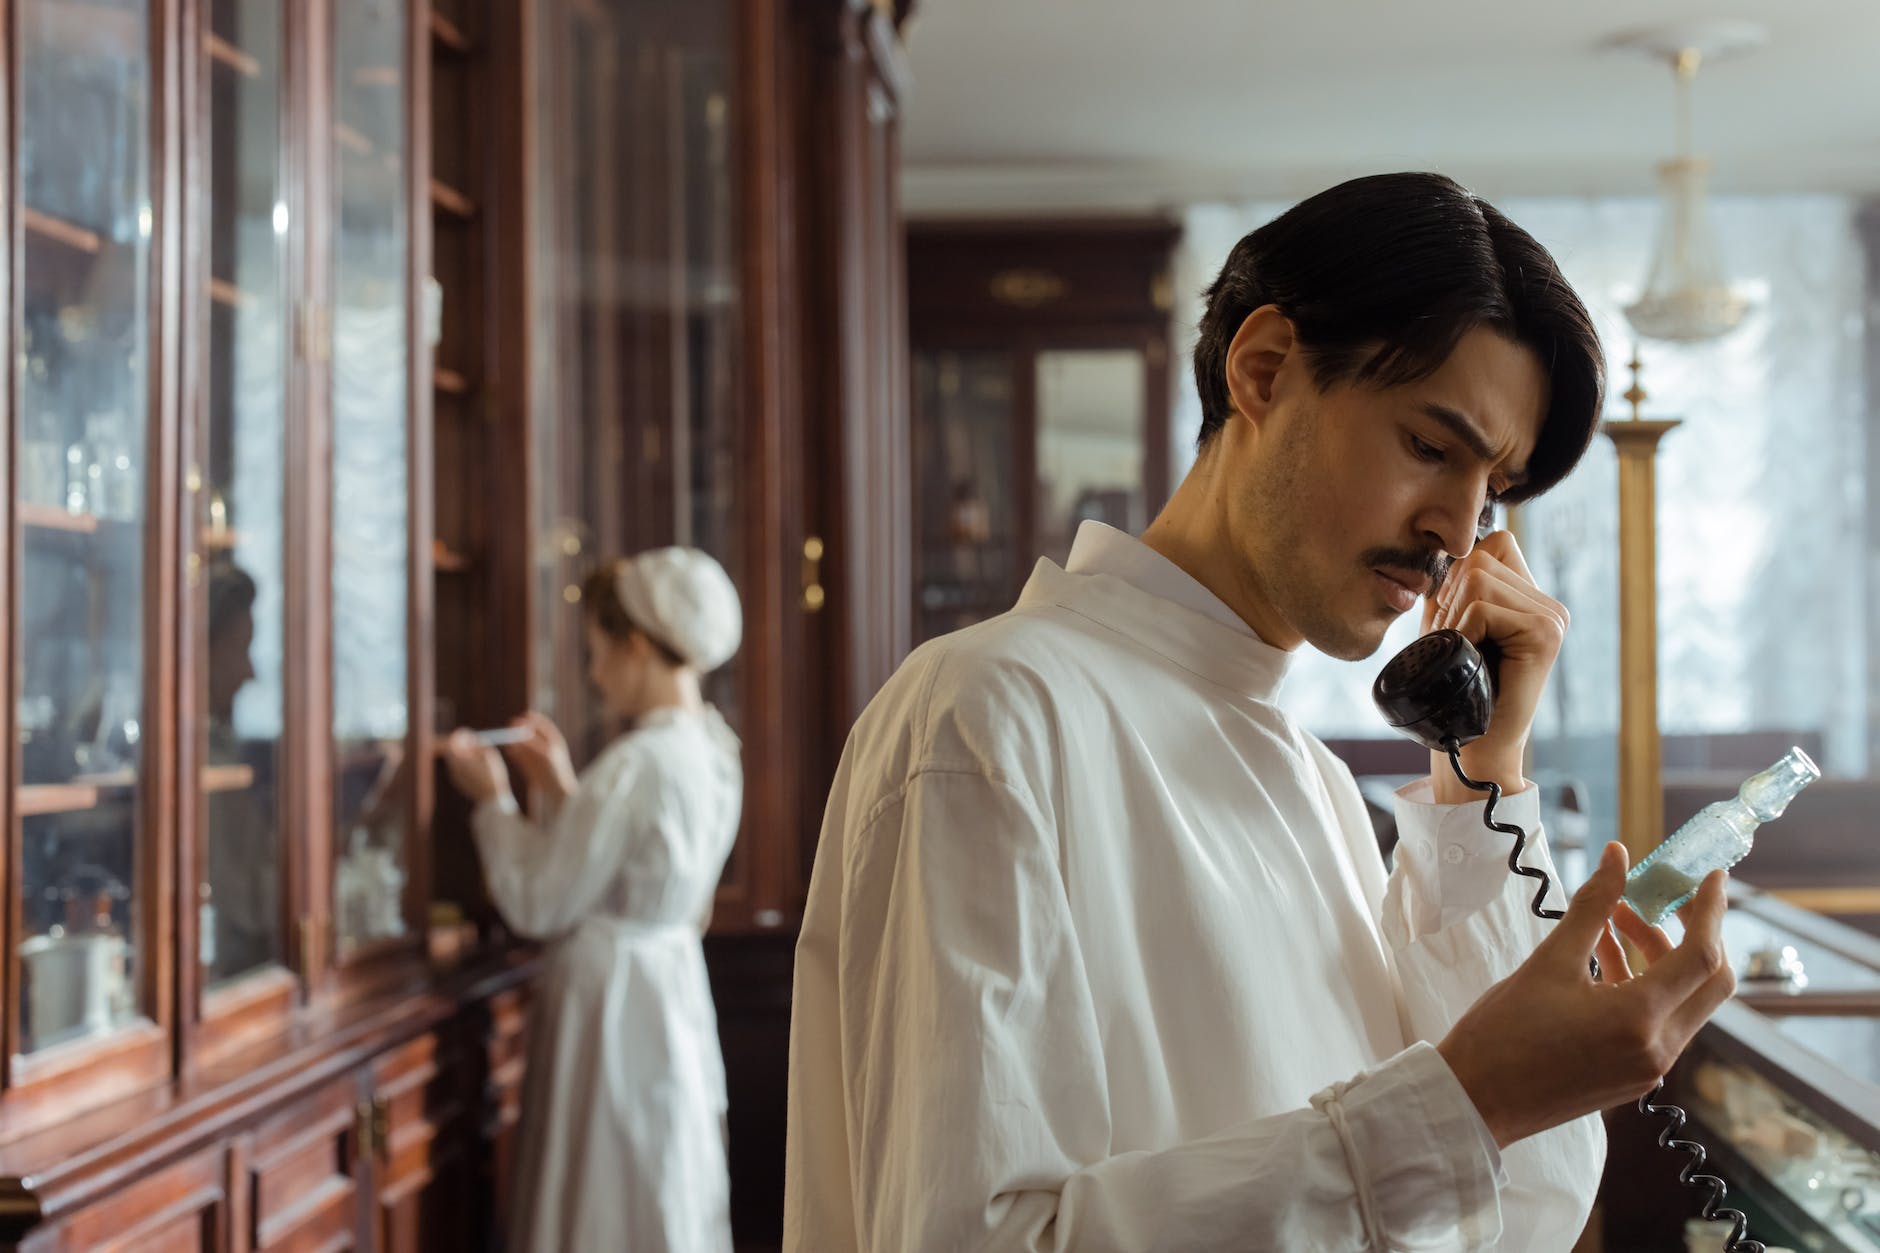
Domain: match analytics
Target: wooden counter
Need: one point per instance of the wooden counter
(386, 1125)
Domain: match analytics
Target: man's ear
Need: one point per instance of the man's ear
(1254, 359)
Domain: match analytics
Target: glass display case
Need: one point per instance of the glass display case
(969, 537)
(1814, 1180)
(639, 439)
(334, 365)
(1041, 399)
(84, 406)
(1092, 429)
(373, 771)
(237, 500)
(212, 520)
(1783, 1085)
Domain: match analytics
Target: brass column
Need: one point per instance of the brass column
(1641, 785)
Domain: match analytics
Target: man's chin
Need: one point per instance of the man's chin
(1351, 643)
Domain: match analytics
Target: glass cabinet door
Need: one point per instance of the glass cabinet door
(707, 419)
(639, 439)
(969, 535)
(370, 512)
(83, 413)
(237, 499)
(1092, 429)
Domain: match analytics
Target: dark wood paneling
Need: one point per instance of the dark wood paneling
(182, 1209)
(996, 276)
(425, 1161)
(858, 457)
(501, 1114)
(304, 1173)
(751, 982)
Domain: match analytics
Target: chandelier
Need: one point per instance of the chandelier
(1688, 297)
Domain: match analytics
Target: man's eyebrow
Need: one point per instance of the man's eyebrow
(1466, 431)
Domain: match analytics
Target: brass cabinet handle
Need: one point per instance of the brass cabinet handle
(813, 594)
(381, 1126)
(363, 1129)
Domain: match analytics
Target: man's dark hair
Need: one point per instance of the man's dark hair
(1383, 276)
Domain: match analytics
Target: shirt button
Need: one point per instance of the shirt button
(1454, 855)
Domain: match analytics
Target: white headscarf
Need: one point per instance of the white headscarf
(684, 600)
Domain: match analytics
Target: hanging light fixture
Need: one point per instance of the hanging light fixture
(1688, 297)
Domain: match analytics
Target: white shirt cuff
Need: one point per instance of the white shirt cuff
(1453, 859)
(1422, 1157)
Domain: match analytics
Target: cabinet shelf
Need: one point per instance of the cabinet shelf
(60, 231)
(451, 381)
(226, 294)
(52, 518)
(352, 141)
(447, 560)
(227, 55)
(40, 799)
(223, 541)
(233, 778)
(448, 33)
(449, 200)
(377, 76)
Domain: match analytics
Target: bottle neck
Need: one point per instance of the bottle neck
(1769, 792)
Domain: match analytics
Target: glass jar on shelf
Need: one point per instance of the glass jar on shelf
(78, 466)
(112, 470)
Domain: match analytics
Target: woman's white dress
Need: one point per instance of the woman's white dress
(621, 1137)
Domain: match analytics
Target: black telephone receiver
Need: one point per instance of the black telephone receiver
(1440, 691)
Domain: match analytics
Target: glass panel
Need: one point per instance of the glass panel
(1090, 443)
(968, 546)
(239, 512)
(372, 774)
(637, 385)
(708, 424)
(84, 138)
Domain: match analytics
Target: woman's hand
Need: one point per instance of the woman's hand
(543, 758)
(476, 770)
(1490, 596)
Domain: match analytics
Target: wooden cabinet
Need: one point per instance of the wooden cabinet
(218, 553)
(500, 1110)
(728, 371)
(302, 1171)
(346, 336)
(379, 1138)
(422, 1113)
(1041, 390)
(183, 1208)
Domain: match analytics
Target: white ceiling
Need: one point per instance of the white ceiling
(1124, 105)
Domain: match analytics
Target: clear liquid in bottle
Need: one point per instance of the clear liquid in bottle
(1716, 838)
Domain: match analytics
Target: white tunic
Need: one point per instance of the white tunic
(1100, 955)
(622, 1108)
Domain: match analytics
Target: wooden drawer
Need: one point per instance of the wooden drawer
(179, 1209)
(303, 1174)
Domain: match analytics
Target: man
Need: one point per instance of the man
(1100, 953)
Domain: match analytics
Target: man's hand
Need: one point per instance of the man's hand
(1548, 1044)
(1490, 595)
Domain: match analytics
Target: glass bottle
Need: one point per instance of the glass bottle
(77, 480)
(1716, 838)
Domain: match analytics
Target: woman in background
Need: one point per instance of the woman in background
(622, 1144)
